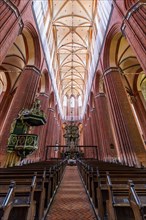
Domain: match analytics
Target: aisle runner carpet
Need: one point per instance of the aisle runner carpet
(71, 201)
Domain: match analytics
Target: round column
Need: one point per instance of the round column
(48, 134)
(105, 131)
(141, 113)
(94, 130)
(129, 141)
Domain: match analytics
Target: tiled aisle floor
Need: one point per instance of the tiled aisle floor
(71, 201)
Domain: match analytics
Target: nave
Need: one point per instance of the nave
(72, 87)
(55, 190)
(71, 201)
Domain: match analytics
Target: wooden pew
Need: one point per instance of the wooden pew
(6, 201)
(137, 200)
(42, 189)
(23, 202)
(96, 182)
(119, 182)
(118, 207)
(46, 182)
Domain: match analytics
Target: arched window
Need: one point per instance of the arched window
(65, 101)
(72, 102)
(79, 101)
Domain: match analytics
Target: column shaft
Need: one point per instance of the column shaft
(129, 140)
(107, 143)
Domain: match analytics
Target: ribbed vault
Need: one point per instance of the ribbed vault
(72, 23)
(72, 34)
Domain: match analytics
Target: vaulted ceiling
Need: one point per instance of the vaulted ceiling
(72, 22)
(72, 34)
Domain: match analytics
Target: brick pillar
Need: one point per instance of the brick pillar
(58, 139)
(85, 137)
(94, 130)
(88, 131)
(133, 28)
(62, 139)
(127, 134)
(54, 131)
(106, 140)
(49, 126)
(12, 25)
(90, 139)
(49, 130)
(84, 131)
(58, 131)
(90, 136)
(80, 142)
(23, 98)
(141, 113)
(93, 127)
(53, 136)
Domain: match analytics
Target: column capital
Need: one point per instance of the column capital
(100, 95)
(92, 109)
(44, 94)
(112, 69)
(51, 109)
(32, 67)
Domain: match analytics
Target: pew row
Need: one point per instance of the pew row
(108, 188)
(47, 179)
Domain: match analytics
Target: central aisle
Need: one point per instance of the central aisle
(71, 201)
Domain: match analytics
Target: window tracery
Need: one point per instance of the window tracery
(65, 101)
(72, 102)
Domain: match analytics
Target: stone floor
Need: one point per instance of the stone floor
(71, 201)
